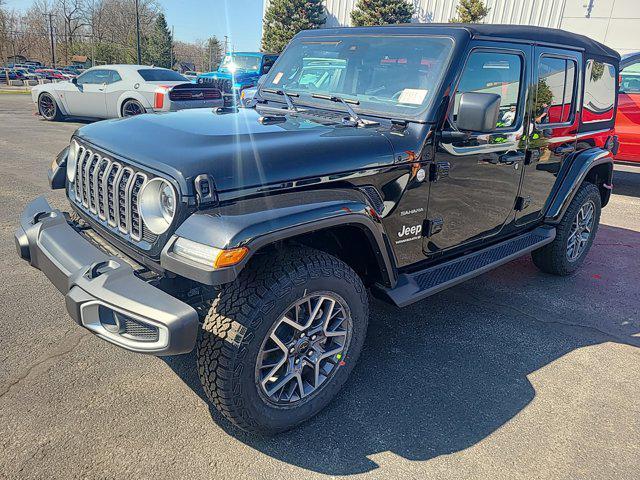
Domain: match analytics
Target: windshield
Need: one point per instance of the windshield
(240, 63)
(161, 75)
(388, 75)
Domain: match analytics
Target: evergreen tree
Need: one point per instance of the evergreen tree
(284, 18)
(381, 12)
(158, 45)
(214, 53)
(470, 11)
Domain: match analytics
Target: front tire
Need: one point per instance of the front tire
(48, 108)
(280, 341)
(574, 234)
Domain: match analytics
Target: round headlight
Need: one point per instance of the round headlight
(72, 161)
(157, 205)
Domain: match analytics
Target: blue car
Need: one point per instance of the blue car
(238, 70)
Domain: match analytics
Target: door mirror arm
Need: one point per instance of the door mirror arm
(74, 80)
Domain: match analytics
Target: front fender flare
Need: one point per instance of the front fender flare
(575, 175)
(258, 222)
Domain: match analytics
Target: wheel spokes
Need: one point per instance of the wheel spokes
(299, 355)
(580, 232)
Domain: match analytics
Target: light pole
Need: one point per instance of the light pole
(53, 48)
(138, 34)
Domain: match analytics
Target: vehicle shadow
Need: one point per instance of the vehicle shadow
(443, 374)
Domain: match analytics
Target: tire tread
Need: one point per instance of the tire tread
(552, 257)
(243, 304)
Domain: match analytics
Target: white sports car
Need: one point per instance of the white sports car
(111, 91)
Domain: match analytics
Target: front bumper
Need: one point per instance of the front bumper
(102, 292)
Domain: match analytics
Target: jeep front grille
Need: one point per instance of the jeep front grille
(222, 84)
(108, 191)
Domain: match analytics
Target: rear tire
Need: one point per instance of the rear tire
(238, 331)
(131, 108)
(48, 108)
(574, 234)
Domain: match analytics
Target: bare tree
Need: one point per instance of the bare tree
(73, 16)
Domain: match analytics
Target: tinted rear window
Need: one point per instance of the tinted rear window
(158, 75)
(599, 92)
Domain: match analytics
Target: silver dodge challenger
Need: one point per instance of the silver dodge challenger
(111, 91)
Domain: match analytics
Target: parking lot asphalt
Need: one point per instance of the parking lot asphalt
(515, 374)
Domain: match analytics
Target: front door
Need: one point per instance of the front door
(476, 177)
(87, 97)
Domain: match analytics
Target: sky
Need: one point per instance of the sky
(241, 20)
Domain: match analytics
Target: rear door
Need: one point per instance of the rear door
(554, 126)
(628, 117)
(476, 178)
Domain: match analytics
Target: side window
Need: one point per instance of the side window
(630, 79)
(114, 76)
(88, 78)
(267, 63)
(555, 90)
(491, 72)
(599, 92)
(94, 77)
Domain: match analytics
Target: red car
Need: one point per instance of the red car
(628, 118)
(51, 74)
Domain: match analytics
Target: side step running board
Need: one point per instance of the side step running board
(419, 285)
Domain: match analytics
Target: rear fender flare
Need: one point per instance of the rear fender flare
(576, 173)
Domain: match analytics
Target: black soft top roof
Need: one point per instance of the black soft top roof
(525, 33)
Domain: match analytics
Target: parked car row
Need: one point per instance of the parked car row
(112, 91)
(23, 73)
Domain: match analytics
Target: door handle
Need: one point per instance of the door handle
(511, 158)
(565, 149)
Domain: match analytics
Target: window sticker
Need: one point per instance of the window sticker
(414, 96)
(277, 78)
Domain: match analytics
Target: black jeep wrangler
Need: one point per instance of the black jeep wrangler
(396, 160)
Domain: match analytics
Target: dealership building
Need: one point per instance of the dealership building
(615, 23)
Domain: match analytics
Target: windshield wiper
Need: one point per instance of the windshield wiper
(287, 97)
(354, 117)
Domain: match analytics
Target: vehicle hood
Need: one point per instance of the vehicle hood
(238, 150)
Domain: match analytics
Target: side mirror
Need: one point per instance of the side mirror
(478, 112)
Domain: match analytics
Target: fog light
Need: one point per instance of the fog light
(208, 255)
(108, 319)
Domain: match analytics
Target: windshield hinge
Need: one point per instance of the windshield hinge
(439, 170)
(205, 190)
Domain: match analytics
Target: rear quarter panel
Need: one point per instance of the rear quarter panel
(142, 94)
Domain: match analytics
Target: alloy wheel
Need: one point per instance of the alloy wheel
(580, 232)
(304, 349)
(131, 108)
(47, 106)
